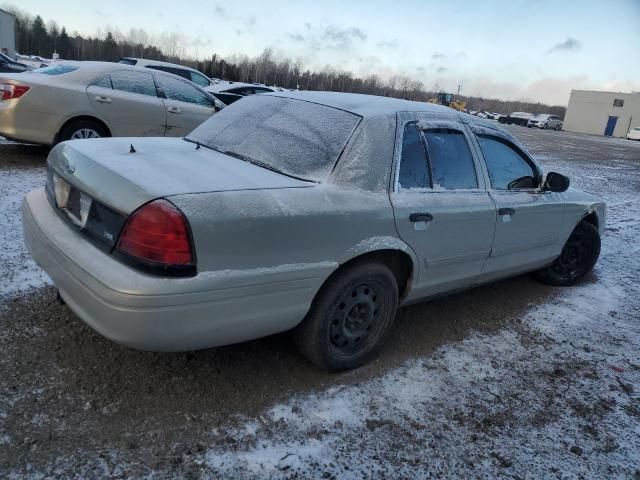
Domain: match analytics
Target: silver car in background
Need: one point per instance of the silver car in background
(317, 212)
(544, 121)
(76, 100)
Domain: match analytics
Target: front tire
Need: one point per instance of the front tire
(350, 318)
(578, 257)
(82, 129)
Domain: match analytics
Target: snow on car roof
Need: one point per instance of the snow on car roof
(363, 105)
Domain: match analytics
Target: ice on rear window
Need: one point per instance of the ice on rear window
(55, 70)
(296, 137)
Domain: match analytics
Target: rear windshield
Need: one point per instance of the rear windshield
(292, 136)
(55, 70)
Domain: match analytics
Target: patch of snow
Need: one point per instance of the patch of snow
(19, 273)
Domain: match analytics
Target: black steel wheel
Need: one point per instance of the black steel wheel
(578, 257)
(350, 317)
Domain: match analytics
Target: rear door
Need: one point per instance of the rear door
(529, 219)
(129, 103)
(186, 106)
(441, 207)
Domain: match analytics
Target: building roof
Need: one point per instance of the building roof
(7, 13)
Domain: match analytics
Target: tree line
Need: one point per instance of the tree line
(34, 37)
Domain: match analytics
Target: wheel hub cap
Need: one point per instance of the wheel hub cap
(354, 319)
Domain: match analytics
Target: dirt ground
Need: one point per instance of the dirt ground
(513, 379)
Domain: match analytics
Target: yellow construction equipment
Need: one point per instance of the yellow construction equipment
(448, 100)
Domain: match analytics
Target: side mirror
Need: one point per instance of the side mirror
(556, 182)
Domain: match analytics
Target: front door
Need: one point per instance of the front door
(611, 126)
(128, 101)
(186, 106)
(529, 220)
(441, 207)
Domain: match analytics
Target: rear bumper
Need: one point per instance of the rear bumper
(161, 314)
(23, 125)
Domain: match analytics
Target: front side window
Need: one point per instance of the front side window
(451, 161)
(508, 167)
(199, 79)
(413, 160)
(134, 82)
(180, 91)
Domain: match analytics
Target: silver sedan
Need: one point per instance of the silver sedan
(317, 212)
(79, 100)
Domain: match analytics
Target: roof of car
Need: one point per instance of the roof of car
(144, 62)
(364, 105)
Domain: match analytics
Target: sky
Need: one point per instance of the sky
(509, 49)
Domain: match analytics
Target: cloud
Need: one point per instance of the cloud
(570, 44)
(296, 37)
(342, 37)
(329, 36)
(393, 43)
(220, 11)
(441, 69)
(438, 56)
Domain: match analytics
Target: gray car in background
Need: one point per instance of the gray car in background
(317, 212)
(544, 121)
(79, 100)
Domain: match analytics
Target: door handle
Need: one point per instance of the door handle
(100, 99)
(506, 211)
(420, 217)
(174, 110)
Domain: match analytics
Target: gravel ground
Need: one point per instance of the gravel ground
(514, 379)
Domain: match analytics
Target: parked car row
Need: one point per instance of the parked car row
(134, 97)
(73, 100)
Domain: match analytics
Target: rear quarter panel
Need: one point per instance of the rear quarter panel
(254, 229)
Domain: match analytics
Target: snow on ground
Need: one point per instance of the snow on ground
(19, 274)
(553, 394)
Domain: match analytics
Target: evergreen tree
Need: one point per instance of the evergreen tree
(64, 44)
(39, 38)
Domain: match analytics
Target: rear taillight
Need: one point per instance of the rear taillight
(10, 91)
(157, 235)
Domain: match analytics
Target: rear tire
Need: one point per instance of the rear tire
(350, 318)
(578, 257)
(81, 129)
(545, 126)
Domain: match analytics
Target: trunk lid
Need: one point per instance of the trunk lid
(109, 172)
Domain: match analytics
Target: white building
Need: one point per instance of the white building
(602, 113)
(8, 32)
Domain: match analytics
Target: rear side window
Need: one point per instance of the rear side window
(180, 91)
(176, 71)
(104, 82)
(413, 161)
(199, 79)
(56, 70)
(437, 158)
(452, 165)
(505, 162)
(227, 98)
(134, 82)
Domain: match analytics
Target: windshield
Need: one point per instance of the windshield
(295, 137)
(55, 70)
